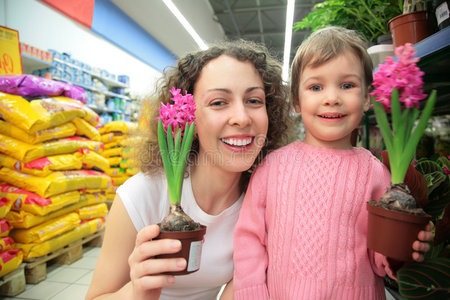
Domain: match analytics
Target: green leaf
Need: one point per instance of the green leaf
(411, 144)
(383, 123)
(429, 279)
(166, 161)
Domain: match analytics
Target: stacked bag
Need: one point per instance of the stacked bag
(51, 172)
(10, 258)
(118, 138)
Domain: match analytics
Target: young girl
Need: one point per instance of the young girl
(302, 229)
(241, 114)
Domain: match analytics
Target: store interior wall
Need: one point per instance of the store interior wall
(45, 28)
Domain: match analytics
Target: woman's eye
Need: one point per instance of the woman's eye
(255, 101)
(347, 86)
(217, 103)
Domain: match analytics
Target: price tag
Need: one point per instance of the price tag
(10, 59)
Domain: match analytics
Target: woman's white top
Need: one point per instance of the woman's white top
(146, 200)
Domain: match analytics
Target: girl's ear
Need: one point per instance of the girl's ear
(297, 106)
(366, 102)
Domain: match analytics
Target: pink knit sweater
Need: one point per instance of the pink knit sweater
(302, 229)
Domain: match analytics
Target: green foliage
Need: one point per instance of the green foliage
(438, 184)
(369, 17)
(174, 155)
(430, 279)
(427, 280)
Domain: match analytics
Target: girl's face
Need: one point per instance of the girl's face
(332, 101)
(231, 117)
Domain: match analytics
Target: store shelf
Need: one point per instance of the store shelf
(105, 110)
(31, 63)
(107, 81)
(93, 89)
(434, 54)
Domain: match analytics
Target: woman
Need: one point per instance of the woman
(241, 115)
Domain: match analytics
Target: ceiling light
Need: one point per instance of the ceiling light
(288, 39)
(186, 24)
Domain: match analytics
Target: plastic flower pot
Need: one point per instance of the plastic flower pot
(191, 248)
(409, 28)
(392, 233)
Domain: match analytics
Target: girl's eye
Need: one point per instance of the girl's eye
(315, 88)
(347, 86)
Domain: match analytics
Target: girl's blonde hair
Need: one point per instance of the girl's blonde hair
(325, 44)
(185, 75)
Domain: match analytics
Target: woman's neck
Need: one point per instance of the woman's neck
(214, 189)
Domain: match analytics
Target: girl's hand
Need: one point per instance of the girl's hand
(145, 270)
(421, 245)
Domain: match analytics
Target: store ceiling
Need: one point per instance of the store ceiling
(215, 20)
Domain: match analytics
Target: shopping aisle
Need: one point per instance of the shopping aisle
(64, 282)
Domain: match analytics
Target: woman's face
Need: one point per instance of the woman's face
(231, 117)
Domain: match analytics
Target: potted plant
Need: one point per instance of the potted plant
(175, 133)
(368, 17)
(429, 279)
(413, 25)
(396, 84)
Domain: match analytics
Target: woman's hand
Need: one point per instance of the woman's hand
(421, 246)
(145, 269)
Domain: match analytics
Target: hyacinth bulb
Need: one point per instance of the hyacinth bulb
(178, 220)
(399, 198)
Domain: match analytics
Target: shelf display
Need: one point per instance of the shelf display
(106, 92)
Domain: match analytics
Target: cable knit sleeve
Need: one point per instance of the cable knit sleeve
(250, 238)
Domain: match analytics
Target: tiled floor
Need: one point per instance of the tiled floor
(64, 282)
(71, 282)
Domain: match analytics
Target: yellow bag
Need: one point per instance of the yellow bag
(61, 131)
(10, 260)
(110, 196)
(112, 137)
(117, 151)
(30, 202)
(56, 182)
(5, 227)
(5, 206)
(118, 126)
(27, 152)
(113, 172)
(91, 159)
(84, 229)
(6, 243)
(119, 180)
(93, 211)
(84, 128)
(128, 163)
(114, 161)
(111, 145)
(24, 219)
(91, 116)
(43, 166)
(38, 114)
(47, 230)
(132, 171)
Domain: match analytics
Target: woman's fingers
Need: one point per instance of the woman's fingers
(152, 248)
(157, 266)
(146, 234)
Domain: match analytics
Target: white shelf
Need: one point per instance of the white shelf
(31, 63)
(108, 81)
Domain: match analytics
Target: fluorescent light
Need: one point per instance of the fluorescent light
(288, 39)
(186, 24)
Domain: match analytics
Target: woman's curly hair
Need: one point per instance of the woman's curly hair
(185, 75)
